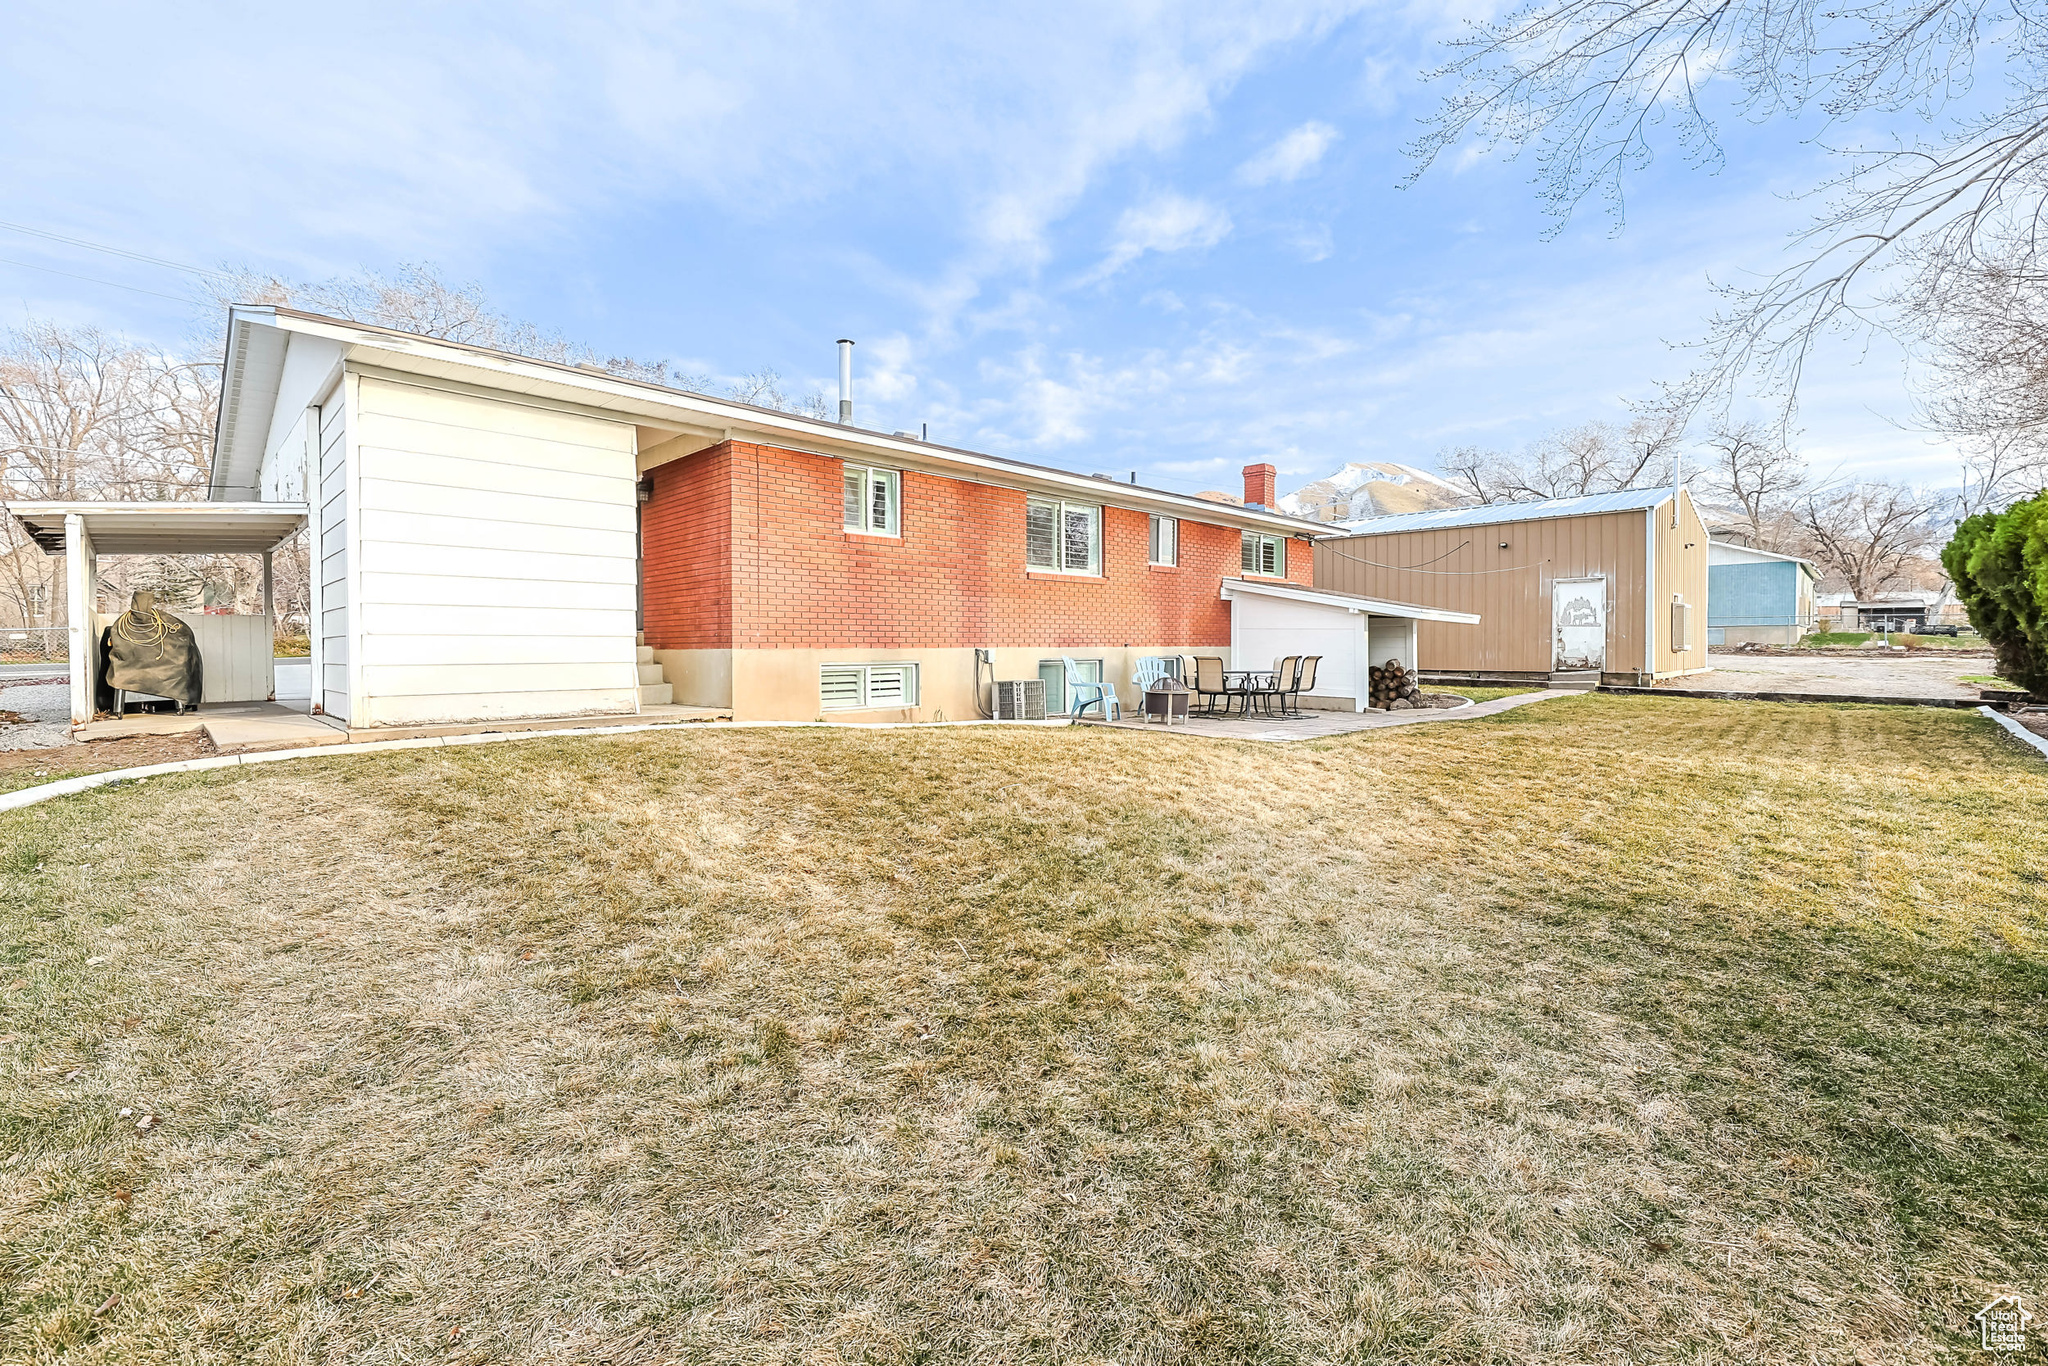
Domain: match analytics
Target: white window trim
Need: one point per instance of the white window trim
(865, 701)
(867, 472)
(1060, 507)
(1152, 534)
(1280, 546)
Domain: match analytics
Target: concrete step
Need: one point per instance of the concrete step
(645, 654)
(656, 694)
(650, 674)
(1579, 680)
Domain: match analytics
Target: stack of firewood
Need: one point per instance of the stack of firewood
(1394, 686)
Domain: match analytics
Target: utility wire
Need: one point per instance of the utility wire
(95, 280)
(115, 251)
(1454, 573)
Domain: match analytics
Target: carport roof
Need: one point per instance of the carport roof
(164, 528)
(1351, 602)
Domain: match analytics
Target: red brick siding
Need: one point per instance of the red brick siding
(686, 553)
(955, 578)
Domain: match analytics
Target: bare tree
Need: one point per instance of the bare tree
(1872, 537)
(1586, 83)
(1592, 457)
(419, 300)
(1753, 468)
(1999, 469)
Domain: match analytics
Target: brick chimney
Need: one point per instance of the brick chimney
(1259, 485)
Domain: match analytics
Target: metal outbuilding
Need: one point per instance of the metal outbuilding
(1758, 596)
(1613, 584)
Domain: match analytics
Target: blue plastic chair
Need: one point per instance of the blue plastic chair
(1083, 693)
(1153, 668)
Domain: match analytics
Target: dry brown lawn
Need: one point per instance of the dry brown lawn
(1609, 1029)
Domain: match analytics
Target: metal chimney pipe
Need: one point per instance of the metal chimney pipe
(846, 381)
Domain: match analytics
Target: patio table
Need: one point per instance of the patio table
(1257, 683)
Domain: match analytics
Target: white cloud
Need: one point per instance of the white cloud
(1164, 223)
(1292, 157)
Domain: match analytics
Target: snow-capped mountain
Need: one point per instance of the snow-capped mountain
(1373, 488)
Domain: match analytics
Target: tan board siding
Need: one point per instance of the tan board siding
(1467, 571)
(1681, 569)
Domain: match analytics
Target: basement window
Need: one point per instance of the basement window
(1265, 555)
(871, 500)
(866, 687)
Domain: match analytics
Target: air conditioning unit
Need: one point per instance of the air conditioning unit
(1020, 699)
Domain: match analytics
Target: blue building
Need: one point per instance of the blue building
(1757, 595)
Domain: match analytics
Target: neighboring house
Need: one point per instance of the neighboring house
(1757, 596)
(1614, 583)
(494, 534)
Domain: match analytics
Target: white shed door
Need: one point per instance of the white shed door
(1578, 624)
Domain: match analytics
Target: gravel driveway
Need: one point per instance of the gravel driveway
(1875, 674)
(45, 711)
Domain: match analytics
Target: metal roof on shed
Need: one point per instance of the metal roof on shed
(1629, 500)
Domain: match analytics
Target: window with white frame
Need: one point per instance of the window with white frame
(872, 500)
(1165, 540)
(1265, 554)
(1063, 537)
(866, 687)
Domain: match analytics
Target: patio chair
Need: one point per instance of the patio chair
(1210, 683)
(1304, 680)
(1152, 668)
(1274, 695)
(1083, 693)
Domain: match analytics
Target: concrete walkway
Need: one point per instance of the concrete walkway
(1321, 725)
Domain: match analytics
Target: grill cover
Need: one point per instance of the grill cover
(149, 651)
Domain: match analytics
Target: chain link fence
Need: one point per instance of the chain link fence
(34, 644)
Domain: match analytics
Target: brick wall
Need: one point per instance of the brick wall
(954, 578)
(686, 553)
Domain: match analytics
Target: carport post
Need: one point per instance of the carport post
(79, 595)
(270, 616)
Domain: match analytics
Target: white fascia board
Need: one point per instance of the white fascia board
(630, 401)
(1744, 553)
(1376, 607)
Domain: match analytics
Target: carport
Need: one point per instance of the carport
(1269, 621)
(236, 650)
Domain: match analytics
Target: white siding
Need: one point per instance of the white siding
(309, 368)
(330, 522)
(498, 559)
(1263, 631)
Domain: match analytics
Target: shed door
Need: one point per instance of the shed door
(1578, 624)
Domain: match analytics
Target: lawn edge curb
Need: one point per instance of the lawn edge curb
(85, 782)
(2018, 731)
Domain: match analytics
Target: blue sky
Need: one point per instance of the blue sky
(1143, 237)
